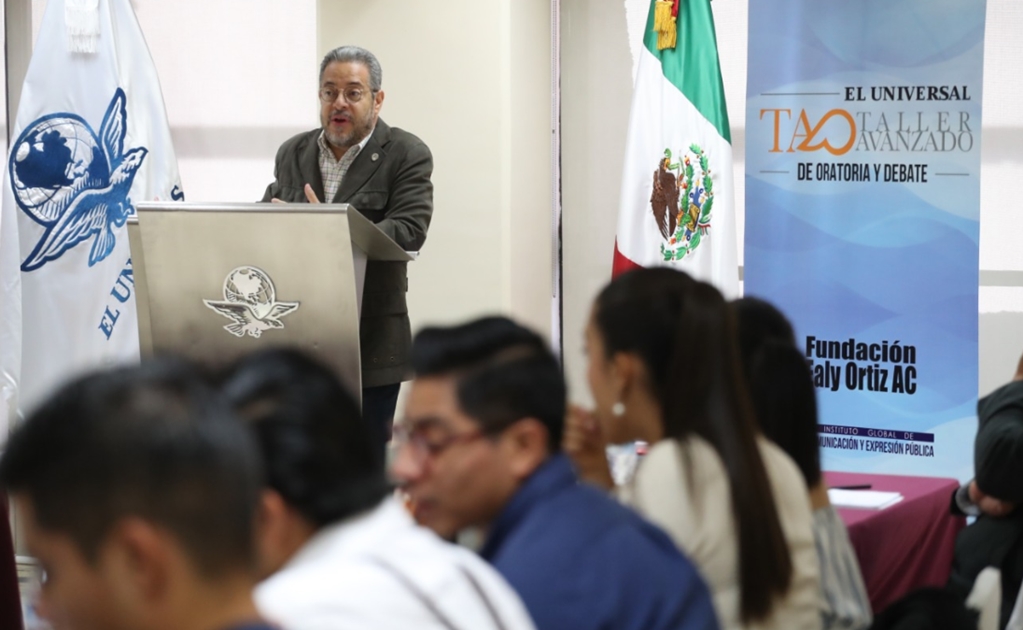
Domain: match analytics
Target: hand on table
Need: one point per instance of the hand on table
(584, 443)
(988, 504)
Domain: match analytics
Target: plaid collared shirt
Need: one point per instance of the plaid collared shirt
(332, 169)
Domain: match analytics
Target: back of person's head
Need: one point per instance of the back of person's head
(784, 399)
(759, 321)
(780, 383)
(319, 454)
(131, 449)
(505, 372)
(683, 332)
(485, 411)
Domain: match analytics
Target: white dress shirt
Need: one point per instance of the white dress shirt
(381, 571)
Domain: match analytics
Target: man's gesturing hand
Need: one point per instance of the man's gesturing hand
(309, 195)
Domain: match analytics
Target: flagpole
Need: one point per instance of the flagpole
(18, 52)
(557, 317)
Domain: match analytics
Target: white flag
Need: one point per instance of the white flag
(90, 140)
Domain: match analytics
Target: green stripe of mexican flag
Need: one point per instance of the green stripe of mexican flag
(677, 200)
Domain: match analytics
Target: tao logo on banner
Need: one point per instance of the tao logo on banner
(842, 130)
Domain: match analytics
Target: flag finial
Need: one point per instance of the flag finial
(666, 23)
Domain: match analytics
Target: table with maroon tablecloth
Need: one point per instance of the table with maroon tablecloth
(908, 545)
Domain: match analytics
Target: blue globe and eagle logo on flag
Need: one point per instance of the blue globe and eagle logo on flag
(75, 183)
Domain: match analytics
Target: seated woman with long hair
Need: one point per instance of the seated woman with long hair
(785, 402)
(663, 368)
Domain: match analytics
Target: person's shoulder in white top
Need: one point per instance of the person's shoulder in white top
(380, 571)
(683, 488)
(792, 500)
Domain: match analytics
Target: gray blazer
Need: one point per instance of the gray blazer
(389, 182)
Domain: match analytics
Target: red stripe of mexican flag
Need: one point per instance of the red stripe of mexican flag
(677, 201)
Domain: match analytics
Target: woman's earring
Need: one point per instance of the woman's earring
(618, 409)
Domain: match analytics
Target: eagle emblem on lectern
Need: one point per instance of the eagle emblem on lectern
(250, 302)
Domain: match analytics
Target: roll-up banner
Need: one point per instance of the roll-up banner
(862, 217)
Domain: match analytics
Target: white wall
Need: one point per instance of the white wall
(597, 87)
(1001, 222)
(238, 78)
(236, 82)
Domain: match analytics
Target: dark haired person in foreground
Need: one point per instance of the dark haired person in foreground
(137, 491)
(994, 496)
(480, 447)
(339, 551)
(784, 400)
(663, 368)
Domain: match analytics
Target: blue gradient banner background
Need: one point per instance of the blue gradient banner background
(872, 261)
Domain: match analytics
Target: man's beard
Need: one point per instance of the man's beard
(360, 129)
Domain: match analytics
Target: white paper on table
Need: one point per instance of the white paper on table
(863, 499)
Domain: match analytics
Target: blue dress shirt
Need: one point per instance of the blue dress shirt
(581, 561)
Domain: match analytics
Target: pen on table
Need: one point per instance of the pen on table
(861, 486)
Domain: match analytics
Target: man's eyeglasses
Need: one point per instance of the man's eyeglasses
(426, 446)
(352, 95)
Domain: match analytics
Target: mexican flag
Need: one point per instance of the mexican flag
(677, 202)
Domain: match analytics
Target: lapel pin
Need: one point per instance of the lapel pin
(374, 157)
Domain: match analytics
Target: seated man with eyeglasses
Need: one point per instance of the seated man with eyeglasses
(336, 549)
(384, 172)
(479, 447)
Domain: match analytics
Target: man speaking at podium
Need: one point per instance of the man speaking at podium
(384, 173)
